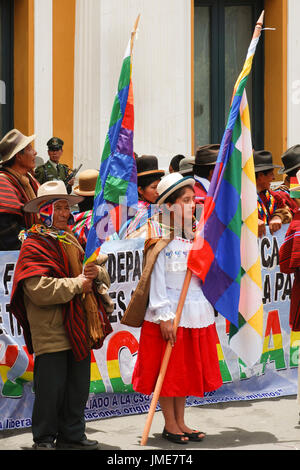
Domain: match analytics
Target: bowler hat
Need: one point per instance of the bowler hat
(263, 161)
(170, 183)
(207, 155)
(12, 143)
(148, 165)
(55, 143)
(186, 165)
(50, 190)
(86, 183)
(290, 159)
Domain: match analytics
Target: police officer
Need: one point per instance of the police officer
(52, 169)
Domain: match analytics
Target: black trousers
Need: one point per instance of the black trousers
(61, 387)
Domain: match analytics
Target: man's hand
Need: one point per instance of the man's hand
(275, 224)
(261, 228)
(167, 331)
(90, 271)
(87, 284)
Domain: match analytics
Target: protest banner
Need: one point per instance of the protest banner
(111, 393)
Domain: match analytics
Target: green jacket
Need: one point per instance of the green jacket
(47, 172)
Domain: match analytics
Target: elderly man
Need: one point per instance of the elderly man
(17, 186)
(58, 305)
(53, 169)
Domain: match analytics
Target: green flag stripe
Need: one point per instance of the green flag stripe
(125, 74)
(114, 188)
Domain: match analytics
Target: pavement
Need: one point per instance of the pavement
(268, 425)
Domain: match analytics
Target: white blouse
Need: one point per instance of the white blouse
(165, 288)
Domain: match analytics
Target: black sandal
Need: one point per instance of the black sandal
(176, 438)
(194, 436)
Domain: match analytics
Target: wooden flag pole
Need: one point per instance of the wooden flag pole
(259, 25)
(134, 32)
(165, 361)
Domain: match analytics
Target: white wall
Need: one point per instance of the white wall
(293, 99)
(43, 79)
(161, 75)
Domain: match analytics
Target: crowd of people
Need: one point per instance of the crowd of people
(63, 305)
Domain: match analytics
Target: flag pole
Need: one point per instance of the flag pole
(256, 34)
(187, 280)
(134, 33)
(165, 361)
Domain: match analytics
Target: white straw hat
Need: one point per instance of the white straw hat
(170, 183)
(12, 143)
(48, 191)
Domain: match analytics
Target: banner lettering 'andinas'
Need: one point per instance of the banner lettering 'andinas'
(111, 393)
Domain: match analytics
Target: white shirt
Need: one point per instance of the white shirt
(165, 288)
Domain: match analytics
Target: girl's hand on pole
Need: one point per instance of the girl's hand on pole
(167, 331)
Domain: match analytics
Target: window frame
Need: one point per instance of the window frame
(7, 39)
(217, 70)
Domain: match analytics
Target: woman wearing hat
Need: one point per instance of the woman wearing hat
(148, 177)
(272, 210)
(193, 368)
(81, 223)
(60, 325)
(291, 162)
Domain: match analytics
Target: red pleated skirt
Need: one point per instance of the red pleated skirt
(193, 367)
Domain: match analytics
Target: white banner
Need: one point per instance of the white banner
(111, 391)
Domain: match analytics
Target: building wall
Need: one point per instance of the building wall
(276, 77)
(44, 39)
(161, 74)
(24, 66)
(68, 55)
(293, 72)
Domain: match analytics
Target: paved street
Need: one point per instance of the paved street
(270, 424)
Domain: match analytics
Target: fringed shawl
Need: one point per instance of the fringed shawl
(45, 256)
(13, 196)
(289, 261)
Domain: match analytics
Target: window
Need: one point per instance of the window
(222, 33)
(6, 65)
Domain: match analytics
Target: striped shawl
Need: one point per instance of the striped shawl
(289, 261)
(13, 196)
(44, 256)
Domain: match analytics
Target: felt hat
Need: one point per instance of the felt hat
(170, 183)
(147, 165)
(263, 161)
(48, 191)
(207, 155)
(87, 181)
(290, 159)
(55, 143)
(12, 143)
(186, 165)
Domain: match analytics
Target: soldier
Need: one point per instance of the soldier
(52, 169)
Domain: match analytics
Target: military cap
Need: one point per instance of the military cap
(55, 143)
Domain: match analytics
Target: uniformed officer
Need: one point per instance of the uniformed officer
(52, 169)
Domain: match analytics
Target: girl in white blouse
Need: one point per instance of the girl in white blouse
(193, 367)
